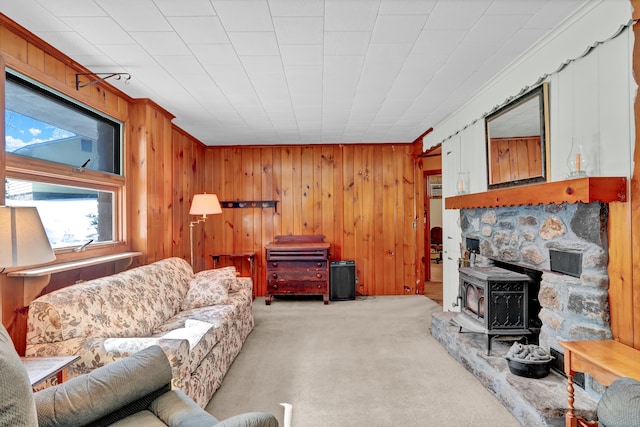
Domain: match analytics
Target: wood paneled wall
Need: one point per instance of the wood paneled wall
(362, 198)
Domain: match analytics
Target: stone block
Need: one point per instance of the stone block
(595, 279)
(580, 332)
(489, 217)
(551, 319)
(552, 228)
(528, 220)
(532, 255)
(548, 296)
(590, 304)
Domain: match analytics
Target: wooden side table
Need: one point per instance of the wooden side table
(604, 360)
(250, 256)
(41, 368)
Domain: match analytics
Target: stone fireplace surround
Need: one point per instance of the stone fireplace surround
(572, 308)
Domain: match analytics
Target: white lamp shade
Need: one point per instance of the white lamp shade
(24, 241)
(205, 204)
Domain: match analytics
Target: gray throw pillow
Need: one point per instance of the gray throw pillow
(620, 404)
(17, 407)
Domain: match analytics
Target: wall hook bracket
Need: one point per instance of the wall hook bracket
(99, 77)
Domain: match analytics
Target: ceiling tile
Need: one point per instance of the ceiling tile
(298, 30)
(296, 7)
(128, 54)
(98, 30)
(245, 15)
(406, 7)
(553, 13)
(448, 15)
(510, 7)
(127, 13)
(161, 43)
(232, 80)
(350, 15)
(71, 8)
(180, 64)
(397, 28)
(199, 29)
(263, 64)
(439, 41)
(185, 7)
(494, 28)
(70, 43)
(215, 54)
(301, 54)
(254, 43)
(346, 42)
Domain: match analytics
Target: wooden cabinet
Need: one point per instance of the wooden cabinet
(297, 265)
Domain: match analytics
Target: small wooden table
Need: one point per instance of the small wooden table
(604, 360)
(41, 368)
(250, 256)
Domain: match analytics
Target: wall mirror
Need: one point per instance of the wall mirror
(518, 140)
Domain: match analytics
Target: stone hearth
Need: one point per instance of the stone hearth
(533, 402)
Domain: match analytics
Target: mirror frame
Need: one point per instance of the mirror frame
(540, 92)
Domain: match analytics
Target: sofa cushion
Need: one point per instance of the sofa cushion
(229, 272)
(205, 291)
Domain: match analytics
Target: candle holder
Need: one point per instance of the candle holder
(578, 159)
(463, 182)
(582, 156)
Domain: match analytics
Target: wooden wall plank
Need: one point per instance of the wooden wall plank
(409, 228)
(376, 287)
(317, 192)
(287, 186)
(632, 245)
(350, 199)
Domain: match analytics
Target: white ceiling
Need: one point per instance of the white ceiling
(296, 71)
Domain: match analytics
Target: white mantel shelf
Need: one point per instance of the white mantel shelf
(36, 279)
(585, 190)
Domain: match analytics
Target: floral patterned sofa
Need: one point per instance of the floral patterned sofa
(199, 320)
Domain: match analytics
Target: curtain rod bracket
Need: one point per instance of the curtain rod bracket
(105, 76)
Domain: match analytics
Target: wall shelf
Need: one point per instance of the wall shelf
(36, 279)
(260, 204)
(585, 190)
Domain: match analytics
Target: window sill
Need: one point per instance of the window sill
(36, 279)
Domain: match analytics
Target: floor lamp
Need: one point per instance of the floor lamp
(202, 204)
(23, 240)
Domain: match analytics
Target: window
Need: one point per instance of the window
(65, 159)
(42, 125)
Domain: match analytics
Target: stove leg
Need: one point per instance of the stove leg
(489, 344)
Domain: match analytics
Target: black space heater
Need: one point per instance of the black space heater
(342, 280)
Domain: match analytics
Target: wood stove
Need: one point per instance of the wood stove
(493, 301)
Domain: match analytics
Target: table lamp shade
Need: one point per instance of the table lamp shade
(23, 239)
(205, 204)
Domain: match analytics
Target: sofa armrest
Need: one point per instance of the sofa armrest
(176, 350)
(108, 393)
(176, 409)
(250, 419)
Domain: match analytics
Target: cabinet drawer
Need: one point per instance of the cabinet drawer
(296, 265)
(297, 275)
(297, 288)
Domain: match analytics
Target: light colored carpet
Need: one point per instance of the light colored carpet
(368, 362)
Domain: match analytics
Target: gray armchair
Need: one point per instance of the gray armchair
(133, 391)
